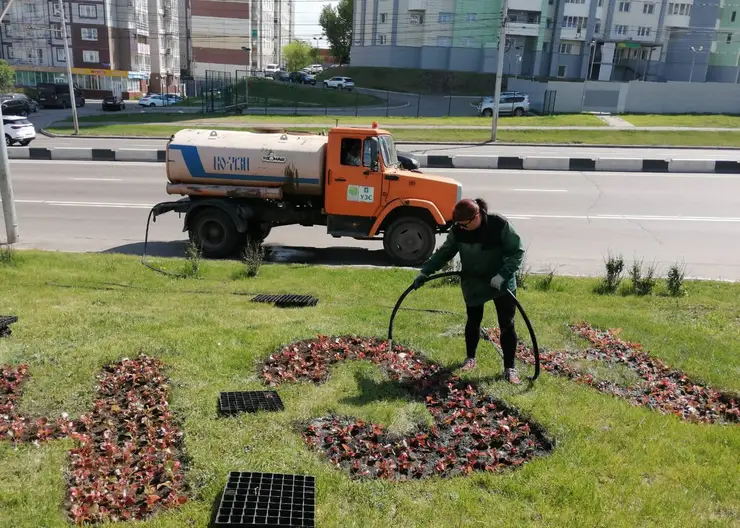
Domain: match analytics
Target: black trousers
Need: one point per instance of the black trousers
(506, 311)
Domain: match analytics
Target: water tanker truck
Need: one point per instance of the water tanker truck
(238, 185)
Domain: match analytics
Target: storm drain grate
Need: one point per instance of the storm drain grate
(250, 401)
(288, 300)
(267, 499)
(5, 322)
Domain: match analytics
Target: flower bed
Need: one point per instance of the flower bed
(128, 464)
(662, 388)
(472, 431)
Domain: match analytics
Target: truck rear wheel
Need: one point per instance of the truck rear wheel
(214, 232)
(409, 241)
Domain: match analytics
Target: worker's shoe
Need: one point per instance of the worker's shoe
(511, 376)
(469, 364)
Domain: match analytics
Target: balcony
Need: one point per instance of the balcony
(524, 30)
(677, 21)
(417, 5)
(572, 34)
(143, 49)
(528, 5)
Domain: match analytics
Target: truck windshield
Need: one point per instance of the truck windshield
(388, 148)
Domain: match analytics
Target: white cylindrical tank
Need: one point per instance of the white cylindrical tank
(293, 162)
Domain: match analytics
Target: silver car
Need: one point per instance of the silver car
(512, 103)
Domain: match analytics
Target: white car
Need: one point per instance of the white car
(341, 83)
(514, 103)
(18, 129)
(315, 69)
(155, 100)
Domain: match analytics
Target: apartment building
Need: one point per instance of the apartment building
(596, 39)
(116, 47)
(217, 31)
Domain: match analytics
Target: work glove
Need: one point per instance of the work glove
(497, 282)
(419, 281)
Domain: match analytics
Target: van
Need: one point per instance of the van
(271, 70)
(56, 95)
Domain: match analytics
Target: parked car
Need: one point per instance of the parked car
(173, 98)
(515, 103)
(154, 100)
(15, 107)
(282, 76)
(271, 70)
(18, 129)
(315, 69)
(57, 95)
(408, 161)
(113, 102)
(32, 104)
(341, 83)
(302, 78)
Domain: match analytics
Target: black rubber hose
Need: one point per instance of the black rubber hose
(411, 288)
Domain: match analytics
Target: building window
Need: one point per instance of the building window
(597, 28)
(549, 23)
(574, 22)
(61, 57)
(732, 16)
(382, 39)
(565, 49)
(729, 38)
(643, 31)
(679, 9)
(444, 42)
(417, 19)
(9, 52)
(90, 56)
(89, 33)
(544, 47)
(561, 70)
(383, 17)
(468, 42)
(575, 1)
(445, 18)
(648, 9)
(88, 11)
(470, 17)
(30, 9)
(601, 3)
(624, 7)
(620, 30)
(9, 30)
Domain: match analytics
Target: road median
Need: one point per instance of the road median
(462, 161)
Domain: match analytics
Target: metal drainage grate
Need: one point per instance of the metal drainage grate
(5, 322)
(251, 401)
(267, 499)
(287, 300)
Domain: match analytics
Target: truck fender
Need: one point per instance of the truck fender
(407, 202)
(238, 213)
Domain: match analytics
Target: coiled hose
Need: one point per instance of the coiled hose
(457, 273)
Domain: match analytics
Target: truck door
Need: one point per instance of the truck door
(353, 186)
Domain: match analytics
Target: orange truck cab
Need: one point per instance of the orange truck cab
(239, 185)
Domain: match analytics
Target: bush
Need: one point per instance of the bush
(643, 283)
(544, 283)
(253, 257)
(675, 278)
(193, 262)
(523, 273)
(7, 255)
(614, 269)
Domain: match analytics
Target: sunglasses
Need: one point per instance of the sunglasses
(466, 223)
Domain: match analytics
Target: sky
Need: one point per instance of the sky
(307, 19)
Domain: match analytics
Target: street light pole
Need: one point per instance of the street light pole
(6, 186)
(68, 56)
(249, 68)
(499, 68)
(737, 64)
(693, 59)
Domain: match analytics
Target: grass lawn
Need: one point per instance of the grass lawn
(614, 464)
(708, 121)
(410, 80)
(573, 137)
(545, 121)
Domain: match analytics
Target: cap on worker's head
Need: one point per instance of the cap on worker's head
(465, 210)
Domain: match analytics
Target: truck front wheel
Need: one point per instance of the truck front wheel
(214, 232)
(409, 241)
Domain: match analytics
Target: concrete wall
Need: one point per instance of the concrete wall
(466, 59)
(722, 74)
(435, 58)
(635, 97)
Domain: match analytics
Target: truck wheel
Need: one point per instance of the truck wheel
(215, 233)
(409, 241)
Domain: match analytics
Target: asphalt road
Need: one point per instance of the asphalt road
(569, 220)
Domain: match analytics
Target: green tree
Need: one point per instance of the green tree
(297, 55)
(337, 25)
(7, 77)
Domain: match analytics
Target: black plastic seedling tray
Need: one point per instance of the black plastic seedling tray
(267, 499)
(250, 401)
(5, 322)
(287, 300)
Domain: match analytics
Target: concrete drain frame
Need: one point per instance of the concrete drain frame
(5, 322)
(231, 403)
(254, 499)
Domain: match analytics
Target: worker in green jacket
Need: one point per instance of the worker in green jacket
(491, 252)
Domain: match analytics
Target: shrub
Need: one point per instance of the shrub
(544, 283)
(614, 269)
(193, 261)
(643, 283)
(253, 257)
(523, 273)
(675, 278)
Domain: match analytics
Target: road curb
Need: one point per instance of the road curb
(429, 161)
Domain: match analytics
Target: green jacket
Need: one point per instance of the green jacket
(493, 249)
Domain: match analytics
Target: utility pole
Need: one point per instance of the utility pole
(6, 186)
(68, 56)
(499, 68)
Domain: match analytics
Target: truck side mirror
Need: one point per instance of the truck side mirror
(371, 154)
